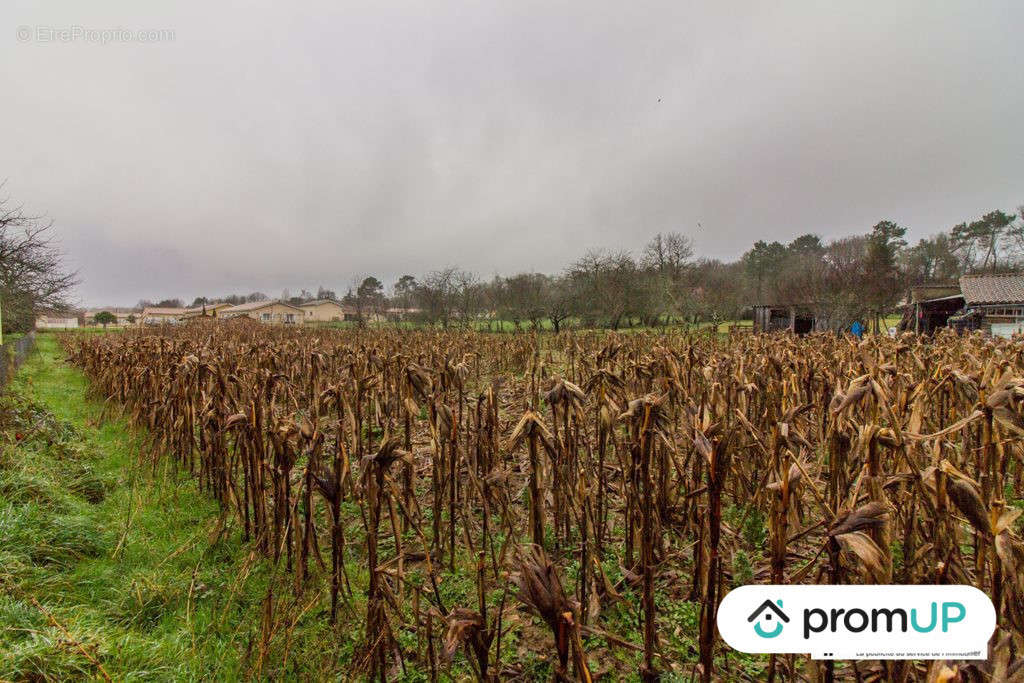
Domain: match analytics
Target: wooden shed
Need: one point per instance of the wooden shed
(797, 318)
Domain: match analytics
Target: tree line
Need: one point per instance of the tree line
(664, 282)
(859, 277)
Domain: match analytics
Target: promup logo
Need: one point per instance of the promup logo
(859, 622)
(767, 612)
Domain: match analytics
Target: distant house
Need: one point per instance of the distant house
(993, 303)
(153, 315)
(326, 310)
(266, 312)
(48, 322)
(205, 311)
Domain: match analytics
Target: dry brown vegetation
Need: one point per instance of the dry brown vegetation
(597, 481)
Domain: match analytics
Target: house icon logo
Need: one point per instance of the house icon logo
(764, 616)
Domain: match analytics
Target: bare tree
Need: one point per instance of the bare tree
(468, 296)
(669, 254)
(33, 279)
(714, 291)
(558, 300)
(525, 298)
(435, 295)
(665, 260)
(607, 285)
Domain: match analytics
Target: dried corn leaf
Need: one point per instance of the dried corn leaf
(872, 561)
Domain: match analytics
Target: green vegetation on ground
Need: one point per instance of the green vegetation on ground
(103, 564)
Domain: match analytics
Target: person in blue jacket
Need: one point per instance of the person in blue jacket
(856, 329)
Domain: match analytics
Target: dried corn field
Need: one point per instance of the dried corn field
(469, 499)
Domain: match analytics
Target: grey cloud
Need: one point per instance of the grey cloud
(271, 145)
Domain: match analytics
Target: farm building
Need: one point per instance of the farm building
(993, 303)
(266, 312)
(326, 310)
(930, 306)
(49, 322)
(796, 318)
(153, 315)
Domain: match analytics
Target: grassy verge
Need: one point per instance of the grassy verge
(109, 570)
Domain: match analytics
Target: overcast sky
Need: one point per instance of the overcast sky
(276, 144)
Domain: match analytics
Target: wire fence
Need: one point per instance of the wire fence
(12, 355)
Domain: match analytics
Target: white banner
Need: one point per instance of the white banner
(859, 622)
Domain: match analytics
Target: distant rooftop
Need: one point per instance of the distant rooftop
(1005, 288)
(112, 309)
(321, 301)
(256, 305)
(163, 311)
(207, 307)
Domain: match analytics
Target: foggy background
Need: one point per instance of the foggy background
(259, 146)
